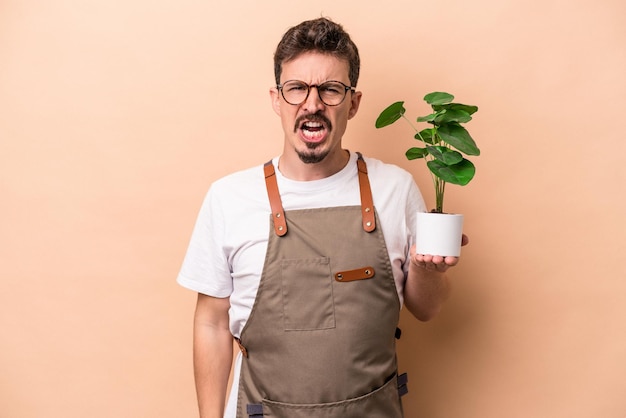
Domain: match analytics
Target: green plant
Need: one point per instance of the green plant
(445, 141)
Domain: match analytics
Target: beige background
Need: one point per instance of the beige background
(115, 116)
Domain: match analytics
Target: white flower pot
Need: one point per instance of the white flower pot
(439, 234)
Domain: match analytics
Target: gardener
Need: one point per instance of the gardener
(314, 305)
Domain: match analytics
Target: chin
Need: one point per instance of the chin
(312, 157)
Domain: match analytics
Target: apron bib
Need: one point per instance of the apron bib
(320, 339)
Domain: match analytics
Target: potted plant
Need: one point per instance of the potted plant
(445, 143)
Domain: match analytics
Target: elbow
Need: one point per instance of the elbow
(424, 314)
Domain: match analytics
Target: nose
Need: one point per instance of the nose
(313, 103)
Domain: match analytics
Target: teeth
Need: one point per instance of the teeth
(312, 125)
(313, 135)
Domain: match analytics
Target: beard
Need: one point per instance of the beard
(312, 155)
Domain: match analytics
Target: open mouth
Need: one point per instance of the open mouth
(313, 127)
(313, 131)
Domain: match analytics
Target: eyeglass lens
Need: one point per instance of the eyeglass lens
(331, 93)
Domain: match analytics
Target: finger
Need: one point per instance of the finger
(451, 261)
(439, 259)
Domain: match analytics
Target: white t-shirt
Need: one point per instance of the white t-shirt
(226, 253)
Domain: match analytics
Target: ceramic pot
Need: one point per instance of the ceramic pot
(439, 234)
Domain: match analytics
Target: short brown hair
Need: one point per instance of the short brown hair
(318, 35)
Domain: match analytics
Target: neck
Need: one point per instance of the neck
(293, 168)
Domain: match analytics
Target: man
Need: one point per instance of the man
(307, 260)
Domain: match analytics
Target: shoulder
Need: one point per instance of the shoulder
(239, 181)
(245, 187)
(236, 194)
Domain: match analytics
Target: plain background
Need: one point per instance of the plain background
(115, 116)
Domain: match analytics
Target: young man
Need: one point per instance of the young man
(307, 259)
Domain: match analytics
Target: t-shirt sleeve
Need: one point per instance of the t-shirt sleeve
(205, 268)
(414, 204)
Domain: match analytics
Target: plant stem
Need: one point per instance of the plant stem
(439, 184)
(411, 124)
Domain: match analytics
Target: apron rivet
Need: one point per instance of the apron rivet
(280, 228)
(278, 215)
(339, 276)
(367, 272)
(367, 209)
(369, 224)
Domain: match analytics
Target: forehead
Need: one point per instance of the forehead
(315, 67)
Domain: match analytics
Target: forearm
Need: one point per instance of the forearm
(212, 355)
(425, 291)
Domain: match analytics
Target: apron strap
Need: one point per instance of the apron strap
(278, 213)
(243, 349)
(367, 202)
(403, 380)
(398, 333)
(254, 410)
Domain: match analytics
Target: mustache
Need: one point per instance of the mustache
(313, 117)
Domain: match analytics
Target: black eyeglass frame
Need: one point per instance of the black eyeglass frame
(347, 88)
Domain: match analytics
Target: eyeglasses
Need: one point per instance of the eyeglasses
(331, 93)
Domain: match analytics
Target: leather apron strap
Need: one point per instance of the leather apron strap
(367, 202)
(278, 213)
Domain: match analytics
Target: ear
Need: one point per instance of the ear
(355, 101)
(275, 97)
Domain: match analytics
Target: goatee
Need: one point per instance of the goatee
(310, 156)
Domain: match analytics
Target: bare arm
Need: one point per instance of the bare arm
(212, 354)
(427, 285)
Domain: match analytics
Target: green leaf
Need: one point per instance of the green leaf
(453, 115)
(428, 118)
(456, 106)
(460, 173)
(457, 136)
(390, 114)
(425, 135)
(438, 98)
(415, 153)
(445, 154)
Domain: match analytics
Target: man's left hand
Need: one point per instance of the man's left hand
(436, 262)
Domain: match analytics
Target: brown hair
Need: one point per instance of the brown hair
(318, 35)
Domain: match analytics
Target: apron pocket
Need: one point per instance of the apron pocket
(307, 294)
(384, 402)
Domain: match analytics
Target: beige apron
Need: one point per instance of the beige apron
(320, 340)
